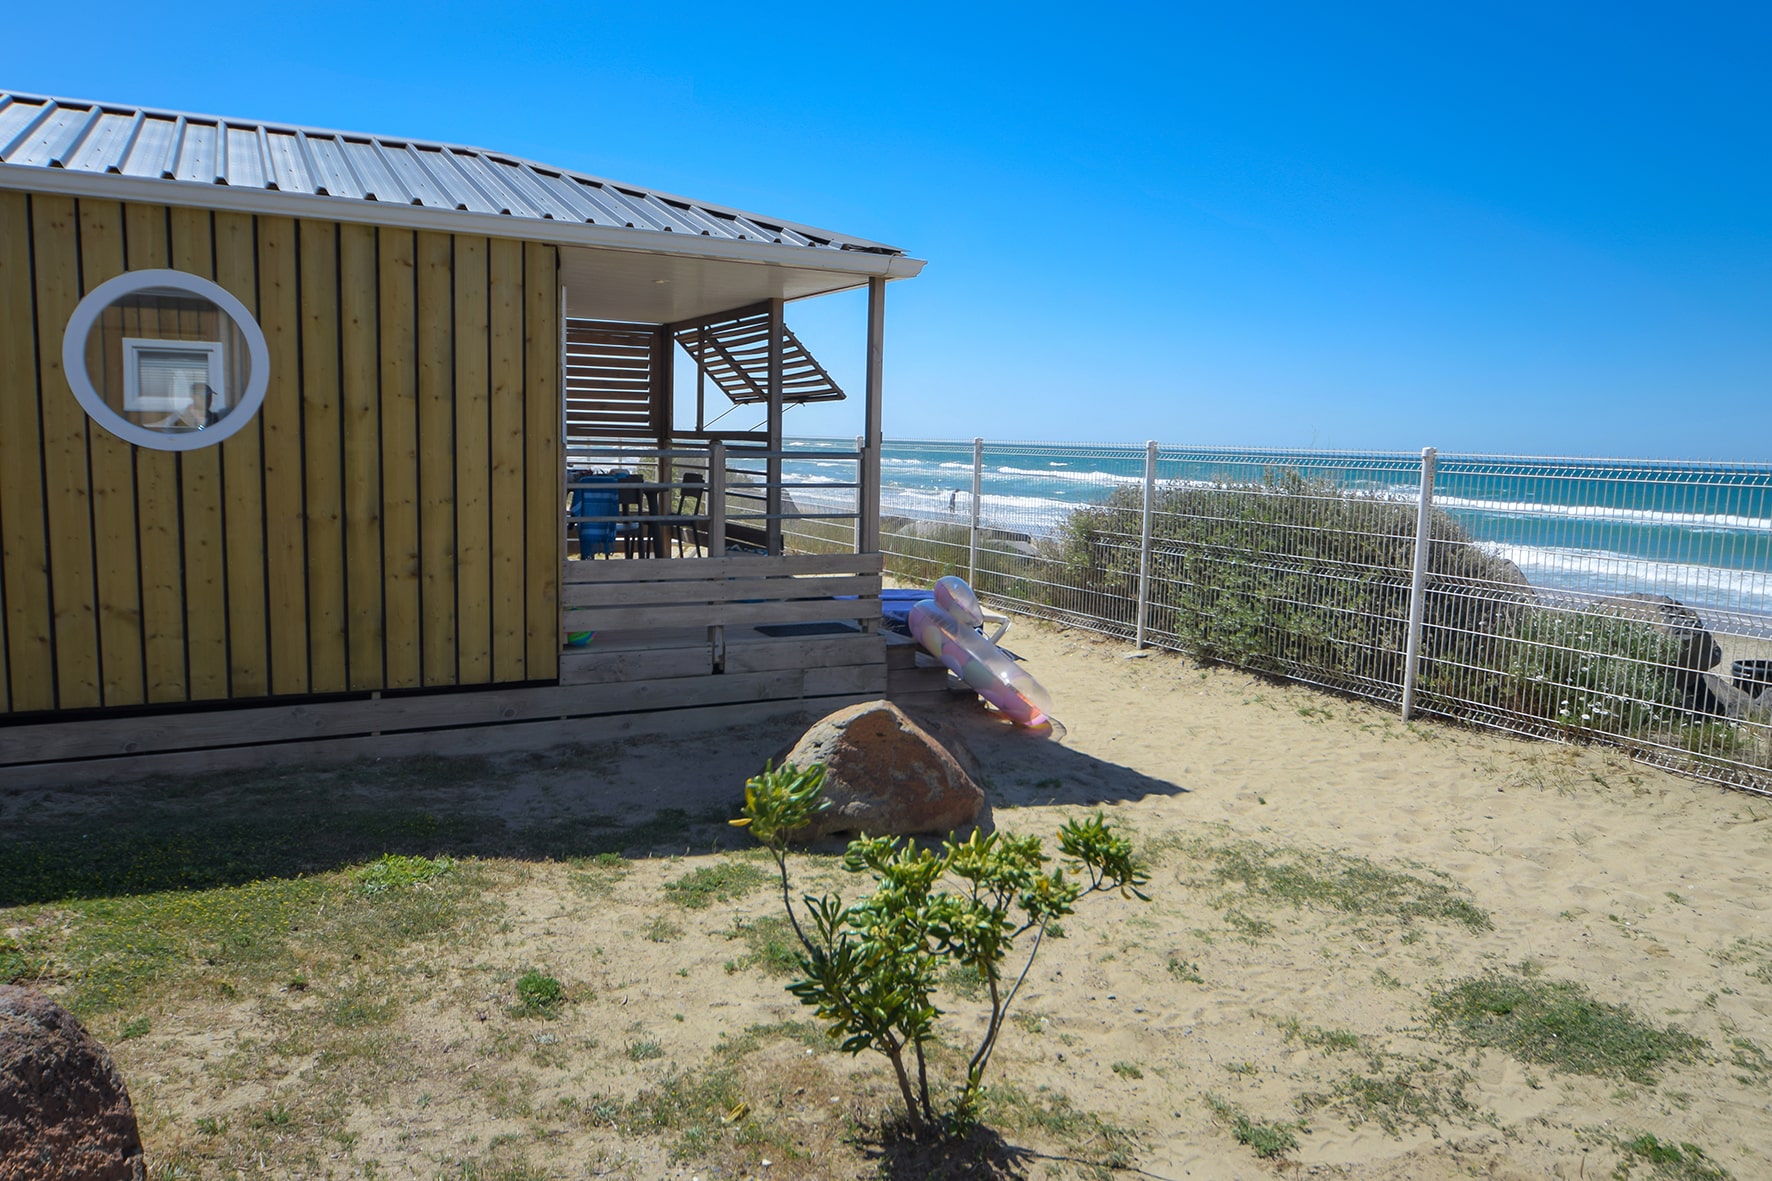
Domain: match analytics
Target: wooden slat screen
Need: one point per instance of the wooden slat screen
(390, 520)
(735, 353)
(610, 371)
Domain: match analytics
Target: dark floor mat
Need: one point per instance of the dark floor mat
(781, 630)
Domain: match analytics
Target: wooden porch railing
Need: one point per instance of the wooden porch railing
(739, 508)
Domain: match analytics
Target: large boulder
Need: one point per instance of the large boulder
(884, 775)
(64, 1112)
(1699, 650)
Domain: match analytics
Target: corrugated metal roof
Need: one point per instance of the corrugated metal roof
(106, 139)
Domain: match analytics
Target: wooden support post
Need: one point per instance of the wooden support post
(664, 409)
(777, 325)
(868, 497)
(701, 380)
(717, 537)
(717, 499)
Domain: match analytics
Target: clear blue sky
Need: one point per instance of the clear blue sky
(1528, 228)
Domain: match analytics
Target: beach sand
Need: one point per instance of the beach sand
(1320, 871)
(1639, 884)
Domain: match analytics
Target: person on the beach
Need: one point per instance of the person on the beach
(952, 497)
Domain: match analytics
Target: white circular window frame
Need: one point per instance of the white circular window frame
(80, 324)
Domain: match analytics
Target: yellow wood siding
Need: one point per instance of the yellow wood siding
(24, 544)
(436, 460)
(362, 454)
(323, 456)
(243, 488)
(545, 528)
(509, 628)
(284, 542)
(473, 465)
(391, 519)
(147, 246)
(399, 455)
(55, 259)
(200, 482)
(112, 462)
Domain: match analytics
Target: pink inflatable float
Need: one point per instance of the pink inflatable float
(957, 599)
(947, 627)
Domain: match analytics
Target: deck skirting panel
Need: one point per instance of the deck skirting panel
(455, 743)
(433, 722)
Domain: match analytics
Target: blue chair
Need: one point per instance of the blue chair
(596, 537)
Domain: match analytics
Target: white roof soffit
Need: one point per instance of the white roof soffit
(86, 149)
(667, 289)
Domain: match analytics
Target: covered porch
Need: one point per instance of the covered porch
(705, 561)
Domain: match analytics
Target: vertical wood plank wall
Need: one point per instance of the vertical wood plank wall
(390, 520)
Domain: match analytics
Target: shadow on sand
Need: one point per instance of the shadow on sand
(1021, 768)
(982, 1154)
(643, 797)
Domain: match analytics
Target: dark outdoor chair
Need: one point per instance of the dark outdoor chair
(690, 503)
(634, 531)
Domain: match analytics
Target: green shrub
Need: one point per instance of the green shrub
(919, 552)
(1297, 577)
(1266, 1139)
(1289, 576)
(1557, 1023)
(392, 871)
(15, 966)
(1589, 672)
(705, 885)
(870, 970)
(1683, 1161)
(539, 994)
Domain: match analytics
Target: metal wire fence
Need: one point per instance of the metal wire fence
(1617, 600)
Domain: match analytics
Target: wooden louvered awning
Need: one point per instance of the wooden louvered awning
(618, 375)
(609, 379)
(735, 354)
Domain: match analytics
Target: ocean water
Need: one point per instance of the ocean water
(1701, 533)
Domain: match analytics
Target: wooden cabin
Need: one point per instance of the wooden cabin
(317, 445)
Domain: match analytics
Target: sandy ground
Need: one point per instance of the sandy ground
(1575, 853)
(1648, 889)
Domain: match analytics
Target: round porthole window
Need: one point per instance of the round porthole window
(166, 359)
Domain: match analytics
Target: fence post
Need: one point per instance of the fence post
(1418, 583)
(977, 491)
(1144, 540)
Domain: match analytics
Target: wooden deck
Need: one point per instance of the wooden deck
(738, 628)
(679, 645)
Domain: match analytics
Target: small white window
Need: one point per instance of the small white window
(186, 378)
(165, 359)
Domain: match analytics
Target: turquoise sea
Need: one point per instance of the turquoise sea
(1699, 532)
